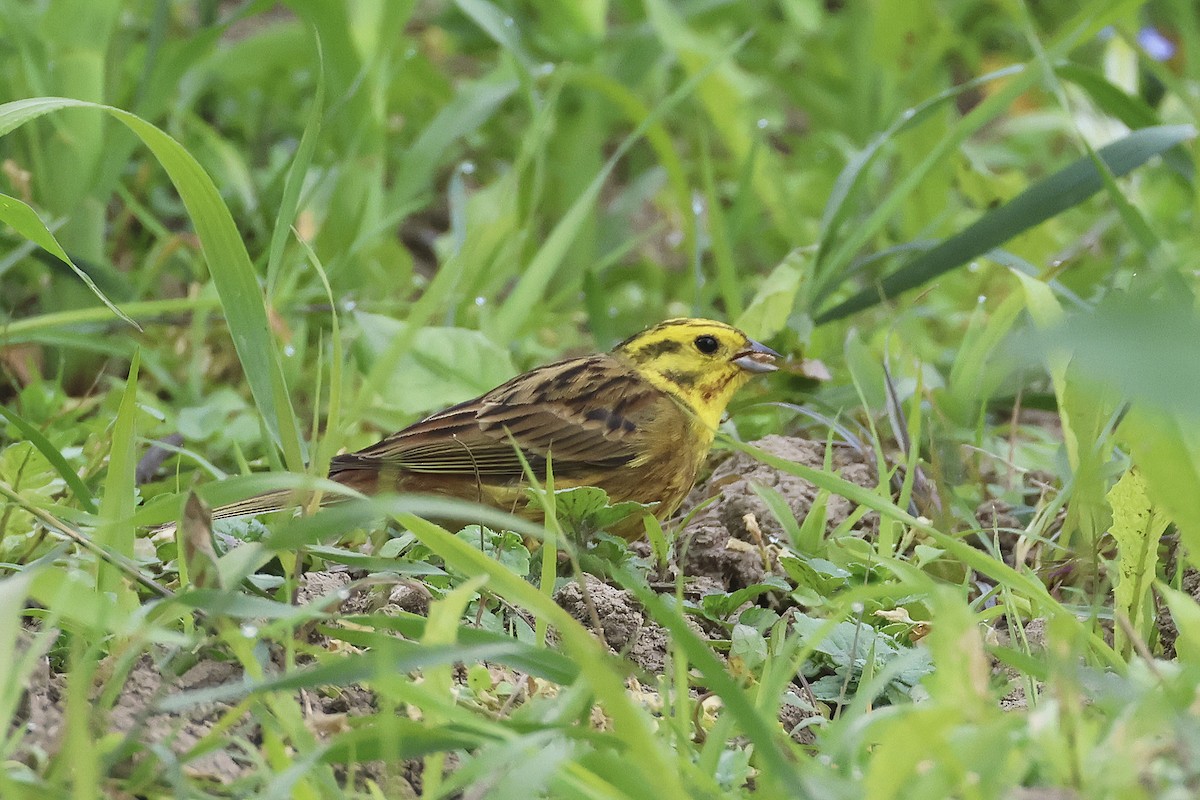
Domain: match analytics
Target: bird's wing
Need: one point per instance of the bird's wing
(583, 414)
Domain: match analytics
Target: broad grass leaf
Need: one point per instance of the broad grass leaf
(71, 599)
(1136, 346)
(1047, 198)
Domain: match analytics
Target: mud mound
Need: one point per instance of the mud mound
(729, 537)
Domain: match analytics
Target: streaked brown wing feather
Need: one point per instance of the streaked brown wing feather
(568, 411)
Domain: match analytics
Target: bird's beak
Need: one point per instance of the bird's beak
(757, 358)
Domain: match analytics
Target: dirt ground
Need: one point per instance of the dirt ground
(727, 545)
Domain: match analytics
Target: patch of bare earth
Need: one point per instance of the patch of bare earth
(730, 539)
(728, 544)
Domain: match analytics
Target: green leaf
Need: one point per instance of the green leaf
(972, 557)
(36, 438)
(1047, 198)
(749, 646)
(1185, 613)
(18, 656)
(25, 221)
(521, 302)
(499, 27)
(1136, 527)
(647, 760)
(388, 658)
(768, 312)
(229, 603)
(72, 597)
(1130, 109)
(718, 606)
(444, 365)
(586, 509)
(778, 768)
(473, 104)
(1166, 448)
(373, 564)
(837, 207)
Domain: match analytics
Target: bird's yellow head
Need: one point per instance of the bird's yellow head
(698, 361)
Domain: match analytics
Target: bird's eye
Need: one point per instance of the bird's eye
(707, 344)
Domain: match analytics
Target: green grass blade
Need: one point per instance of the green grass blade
(290, 203)
(54, 456)
(528, 292)
(831, 270)
(116, 506)
(1131, 110)
(1047, 198)
(837, 209)
(782, 772)
(976, 559)
(537, 661)
(386, 658)
(229, 264)
(630, 724)
(25, 221)
(48, 327)
(473, 105)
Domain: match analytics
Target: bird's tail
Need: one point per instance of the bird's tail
(359, 479)
(259, 504)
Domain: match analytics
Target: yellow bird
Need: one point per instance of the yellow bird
(637, 421)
